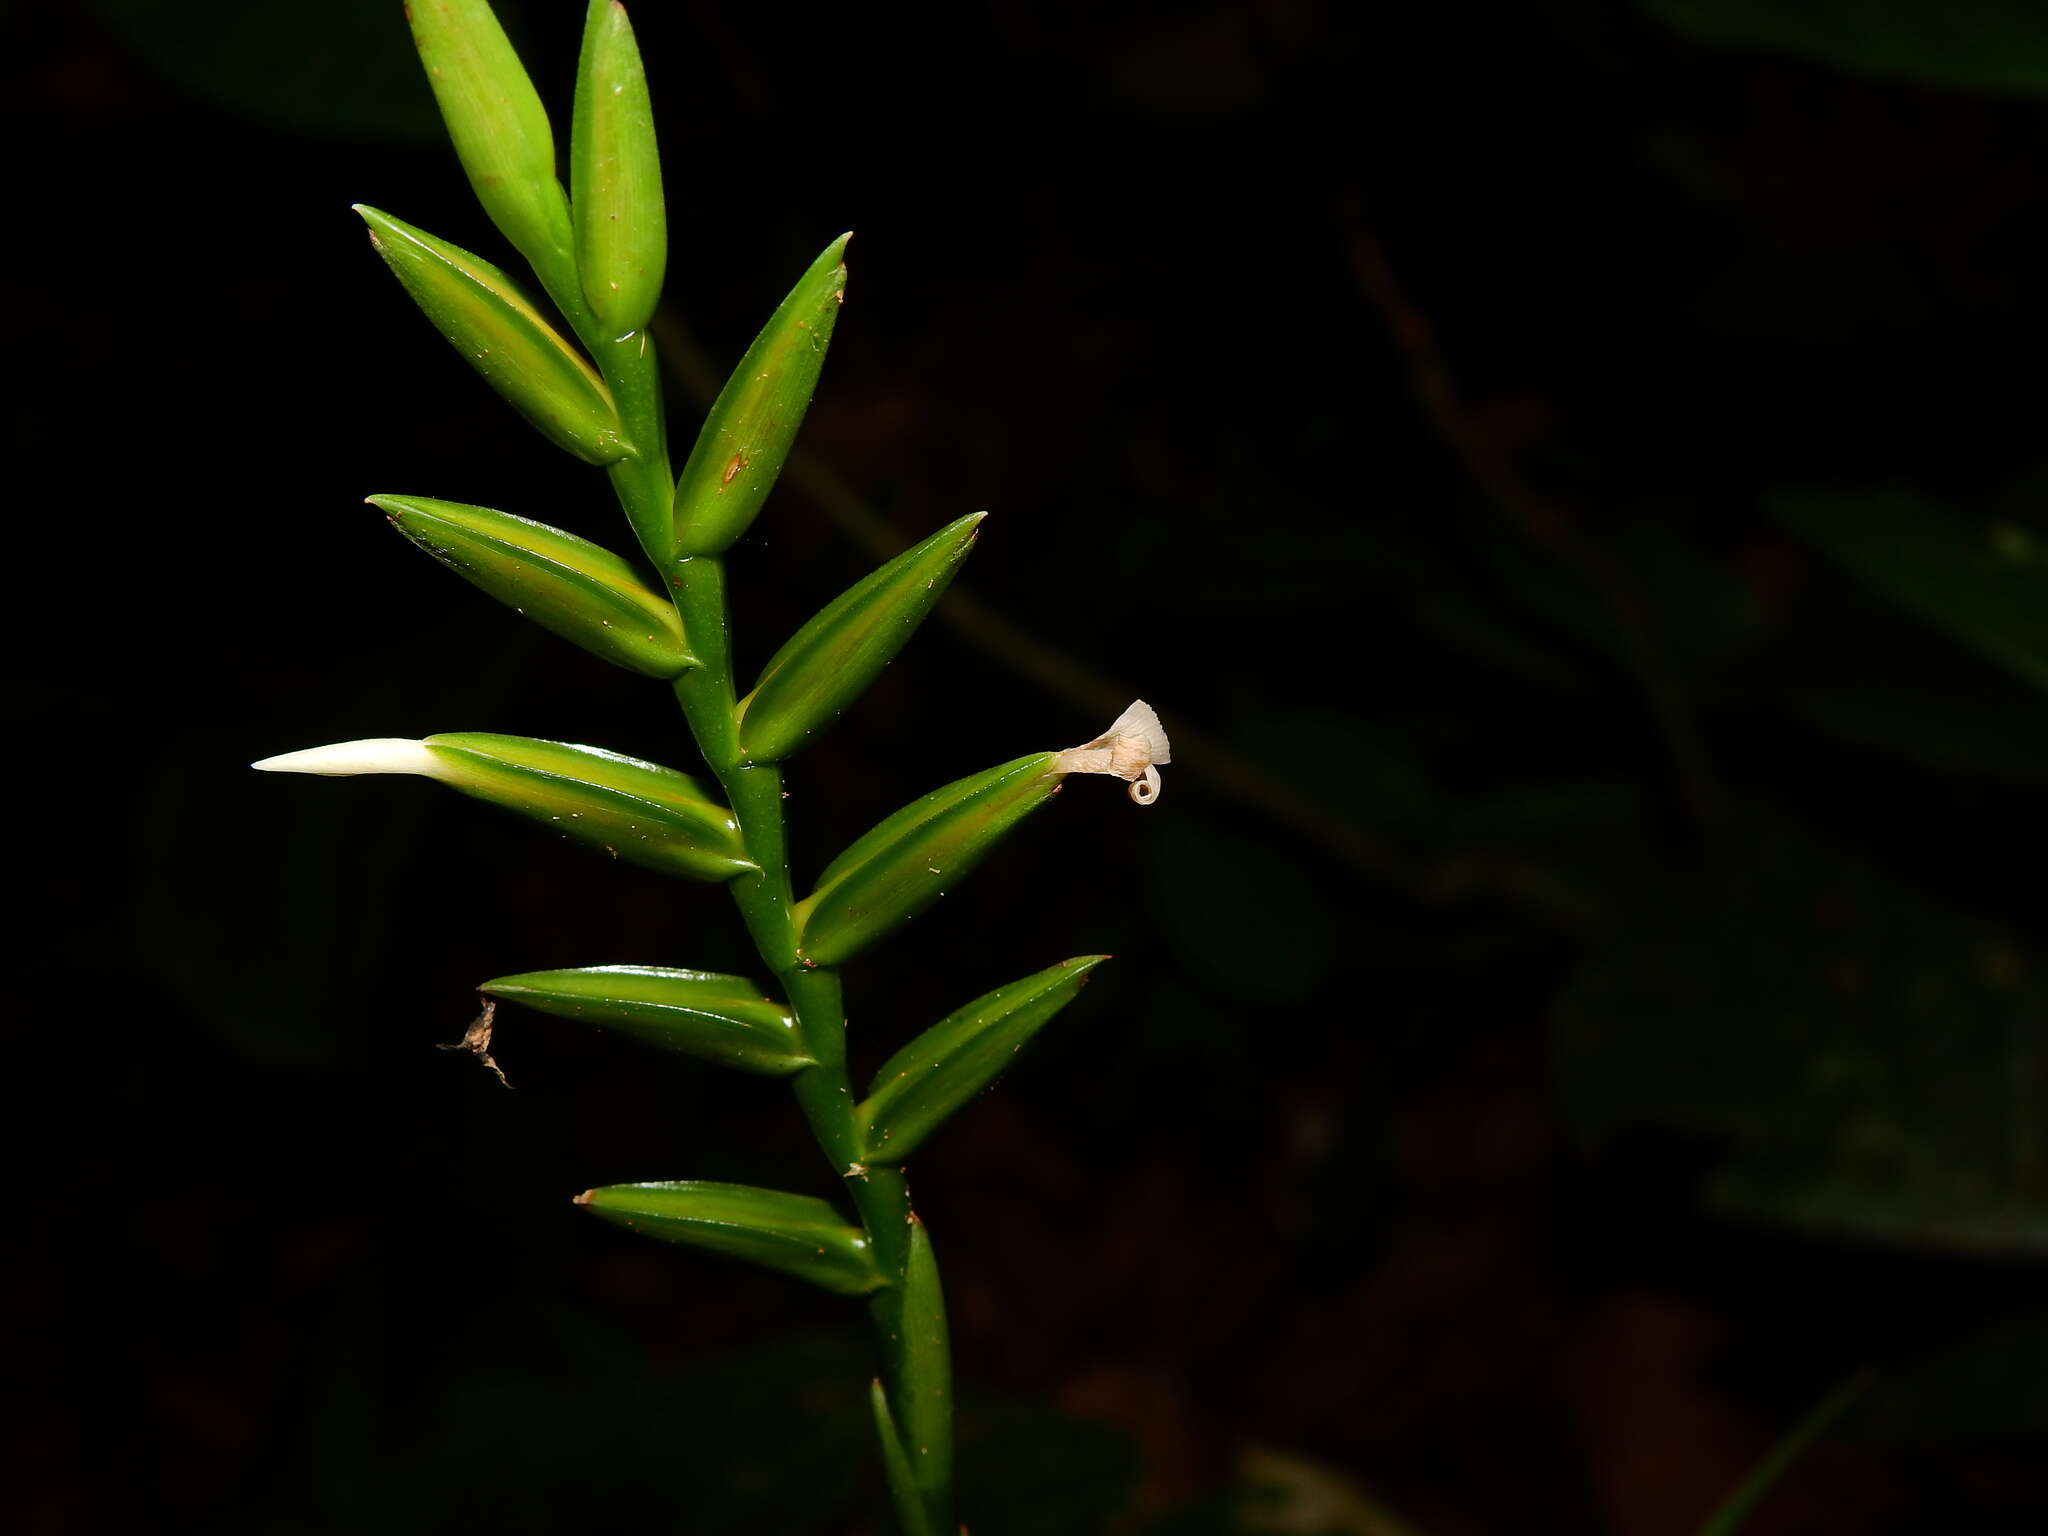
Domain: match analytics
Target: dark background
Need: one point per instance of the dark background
(1569, 475)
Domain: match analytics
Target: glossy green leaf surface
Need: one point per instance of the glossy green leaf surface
(830, 662)
(903, 865)
(925, 1416)
(726, 1019)
(1989, 592)
(499, 127)
(903, 1490)
(796, 1234)
(636, 811)
(615, 176)
(754, 421)
(921, 1085)
(580, 590)
(504, 337)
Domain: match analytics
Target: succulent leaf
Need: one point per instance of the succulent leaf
(636, 811)
(754, 421)
(796, 1234)
(580, 590)
(900, 867)
(925, 1416)
(719, 1018)
(830, 662)
(499, 128)
(903, 1489)
(615, 177)
(503, 336)
(942, 1069)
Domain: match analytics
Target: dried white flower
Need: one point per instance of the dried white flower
(1132, 748)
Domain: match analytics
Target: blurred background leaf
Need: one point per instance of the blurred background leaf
(1987, 586)
(1868, 1055)
(319, 66)
(1993, 45)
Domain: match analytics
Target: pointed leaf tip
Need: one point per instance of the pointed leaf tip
(499, 128)
(499, 332)
(831, 661)
(579, 590)
(719, 1018)
(903, 1485)
(748, 434)
(922, 1085)
(904, 864)
(615, 176)
(925, 1413)
(796, 1234)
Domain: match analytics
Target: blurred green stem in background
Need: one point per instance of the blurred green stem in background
(1781, 1458)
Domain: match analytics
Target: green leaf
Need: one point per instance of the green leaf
(1990, 45)
(579, 590)
(829, 663)
(925, 1416)
(497, 329)
(615, 176)
(640, 812)
(748, 434)
(500, 129)
(796, 1234)
(903, 1489)
(902, 866)
(1989, 591)
(636, 811)
(725, 1019)
(922, 1084)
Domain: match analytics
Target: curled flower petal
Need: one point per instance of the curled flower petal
(1130, 749)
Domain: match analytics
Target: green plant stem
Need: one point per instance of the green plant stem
(1800, 1439)
(766, 898)
(643, 480)
(915, 1373)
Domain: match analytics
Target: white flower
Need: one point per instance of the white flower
(381, 754)
(1132, 748)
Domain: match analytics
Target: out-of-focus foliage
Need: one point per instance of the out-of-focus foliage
(321, 66)
(1866, 1052)
(1993, 45)
(1987, 586)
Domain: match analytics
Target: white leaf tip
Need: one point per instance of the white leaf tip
(343, 759)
